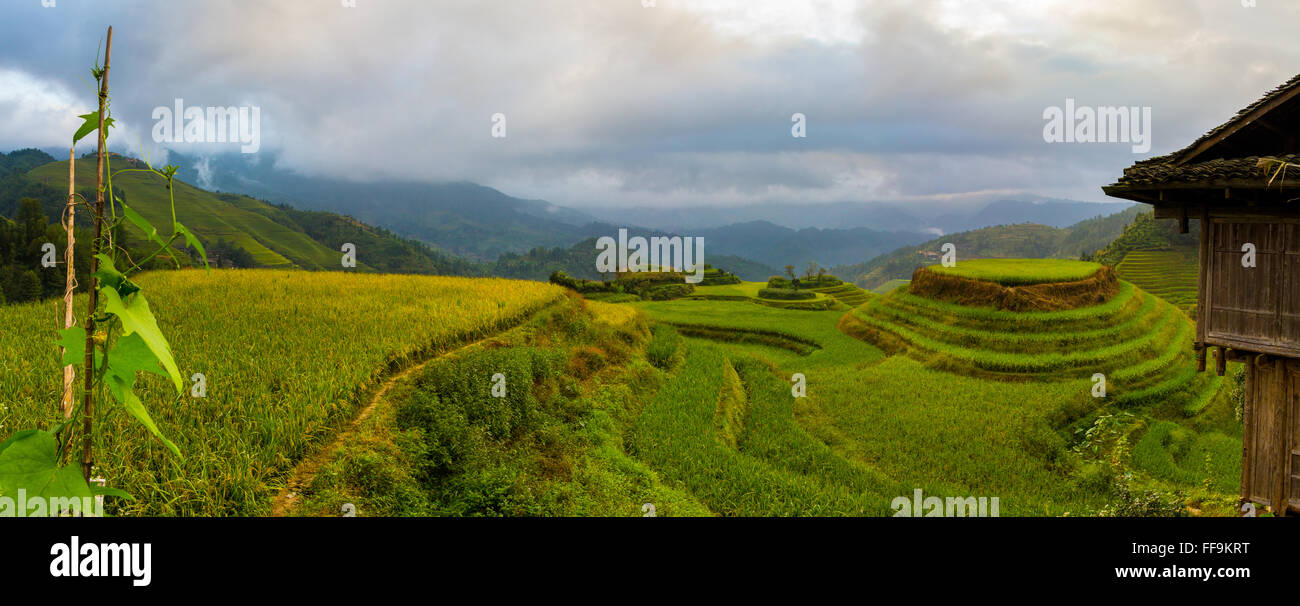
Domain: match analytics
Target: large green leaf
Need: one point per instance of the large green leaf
(108, 275)
(14, 439)
(73, 342)
(110, 492)
(122, 392)
(191, 240)
(131, 354)
(31, 462)
(90, 125)
(145, 226)
(138, 319)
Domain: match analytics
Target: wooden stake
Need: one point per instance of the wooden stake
(88, 400)
(1281, 430)
(1248, 431)
(69, 372)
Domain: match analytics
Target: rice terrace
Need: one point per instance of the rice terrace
(422, 262)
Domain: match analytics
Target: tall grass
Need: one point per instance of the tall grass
(1015, 272)
(286, 356)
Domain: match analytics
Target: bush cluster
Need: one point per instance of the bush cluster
(782, 294)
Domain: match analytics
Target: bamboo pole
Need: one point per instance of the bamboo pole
(88, 400)
(69, 371)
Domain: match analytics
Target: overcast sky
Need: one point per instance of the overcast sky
(609, 102)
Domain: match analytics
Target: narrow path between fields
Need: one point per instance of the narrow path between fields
(306, 471)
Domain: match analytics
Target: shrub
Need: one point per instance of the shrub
(586, 361)
(1130, 502)
(665, 292)
(1237, 390)
(782, 294)
(663, 346)
(560, 278)
(446, 442)
(718, 277)
(823, 281)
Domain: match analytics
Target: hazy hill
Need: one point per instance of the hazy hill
(1053, 213)
(579, 261)
(880, 216)
(1025, 240)
(483, 223)
(779, 246)
(463, 218)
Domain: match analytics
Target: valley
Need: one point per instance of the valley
(685, 404)
(743, 394)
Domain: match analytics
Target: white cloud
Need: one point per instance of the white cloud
(823, 21)
(36, 112)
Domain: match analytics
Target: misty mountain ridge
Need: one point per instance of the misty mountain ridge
(482, 224)
(936, 219)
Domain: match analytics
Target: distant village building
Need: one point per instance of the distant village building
(1239, 182)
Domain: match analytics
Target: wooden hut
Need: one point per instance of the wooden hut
(1238, 183)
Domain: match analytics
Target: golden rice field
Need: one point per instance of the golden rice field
(287, 357)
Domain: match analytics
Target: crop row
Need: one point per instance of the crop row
(846, 293)
(1171, 275)
(1118, 308)
(1144, 353)
(1019, 340)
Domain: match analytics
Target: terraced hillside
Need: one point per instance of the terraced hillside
(872, 428)
(1168, 274)
(1141, 343)
(846, 293)
(1016, 272)
(1180, 423)
(889, 286)
(751, 292)
(206, 214)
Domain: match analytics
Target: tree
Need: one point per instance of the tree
(224, 252)
(8, 239)
(53, 279)
(811, 271)
(29, 287)
(32, 218)
(32, 223)
(9, 282)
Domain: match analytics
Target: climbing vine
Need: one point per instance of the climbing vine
(119, 339)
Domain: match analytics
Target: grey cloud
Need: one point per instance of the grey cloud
(610, 103)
